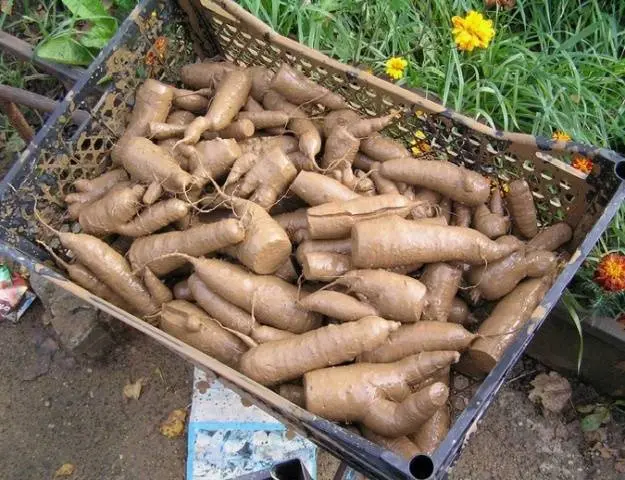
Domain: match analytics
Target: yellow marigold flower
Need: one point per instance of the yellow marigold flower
(581, 163)
(395, 67)
(420, 147)
(472, 31)
(561, 136)
(420, 114)
(419, 135)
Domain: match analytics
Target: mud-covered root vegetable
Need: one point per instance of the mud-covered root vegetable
(296, 88)
(88, 191)
(193, 326)
(336, 219)
(273, 301)
(490, 224)
(459, 312)
(551, 238)
(294, 224)
(182, 291)
(316, 189)
(293, 393)
(402, 446)
(114, 209)
(266, 118)
(111, 269)
(276, 362)
(259, 145)
(426, 203)
(381, 148)
(198, 240)
(325, 266)
(237, 130)
(154, 218)
(302, 162)
(504, 323)
(338, 118)
(341, 246)
(461, 215)
(264, 333)
(340, 150)
(229, 98)
(520, 203)
(266, 246)
(206, 74)
(268, 178)
(441, 281)
(364, 163)
(212, 159)
(393, 241)
(418, 337)
(153, 100)
(499, 278)
(452, 181)
(158, 290)
(377, 395)
(337, 305)
(190, 100)
(152, 193)
(394, 296)
(382, 185)
(429, 436)
(147, 163)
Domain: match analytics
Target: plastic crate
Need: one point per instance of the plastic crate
(160, 36)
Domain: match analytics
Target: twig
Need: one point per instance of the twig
(17, 120)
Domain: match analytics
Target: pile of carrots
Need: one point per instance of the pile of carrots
(313, 254)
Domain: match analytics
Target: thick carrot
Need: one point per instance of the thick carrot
(274, 301)
(459, 312)
(442, 281)
(316, 189)
(452, 181)
(238, 130)
(402, 446)
(205, 75)
(153, 101)
(296, 88)
(190, 100)
(114, 209)
(338, 118)
(295, 224)
(364, 127)
(276, 362)
(382, 148)
(490, 224)
(427, 203)
(551, 238)
(337, 305)
(266, 245)
(501, 277)
(190, 324)
(182, 291)
(159, 291)
(335, 219)
(382, 185)
(287, 271)
(461, 215)
(419, 337)
(111, 269)
(302, 162)
(230, 96)
(393, 241)
(364, 163)
(340, 149)
(261, 81)
(394, 296)
(429, 436)
(215, 157)
(342, 246)
(198, 240)
(152, 193)
(88, 191)
(154, 218)
(147, 162)
(293, 393)
(264, 334)
(520, 203)
(509, 316)
(325, 266)
(266, 118)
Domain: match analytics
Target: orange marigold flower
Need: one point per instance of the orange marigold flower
(160, 45)
(610, 273)
(581, 163)
(561, 136)
(150, 58)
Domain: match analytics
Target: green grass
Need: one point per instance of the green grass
(553, 64)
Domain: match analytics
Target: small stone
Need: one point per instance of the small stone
(89, 370)
(51, 426)
(461, 382)
(46, 403)
(91, 395)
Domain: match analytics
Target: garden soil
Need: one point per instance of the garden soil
(55, 409)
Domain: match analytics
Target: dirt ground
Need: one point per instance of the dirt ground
(55, 409)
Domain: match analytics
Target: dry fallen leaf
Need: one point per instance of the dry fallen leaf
(133, 390)
(173, 426)
(65, 470)
(553, 391)
(619, 466)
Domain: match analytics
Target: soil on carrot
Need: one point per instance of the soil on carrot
(56, 409)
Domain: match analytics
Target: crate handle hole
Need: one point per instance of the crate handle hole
(421, 467)
(619, 169)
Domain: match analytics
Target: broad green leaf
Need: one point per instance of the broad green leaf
(86, 8)
(99, 34)
(126, 5)
(64, 49)
(592, 422)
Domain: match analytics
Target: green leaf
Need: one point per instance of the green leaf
(591, 422)
(99, 34)
(585, 408)
(64, 49)
(572, 305)
(125, 5)
(86, 8)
